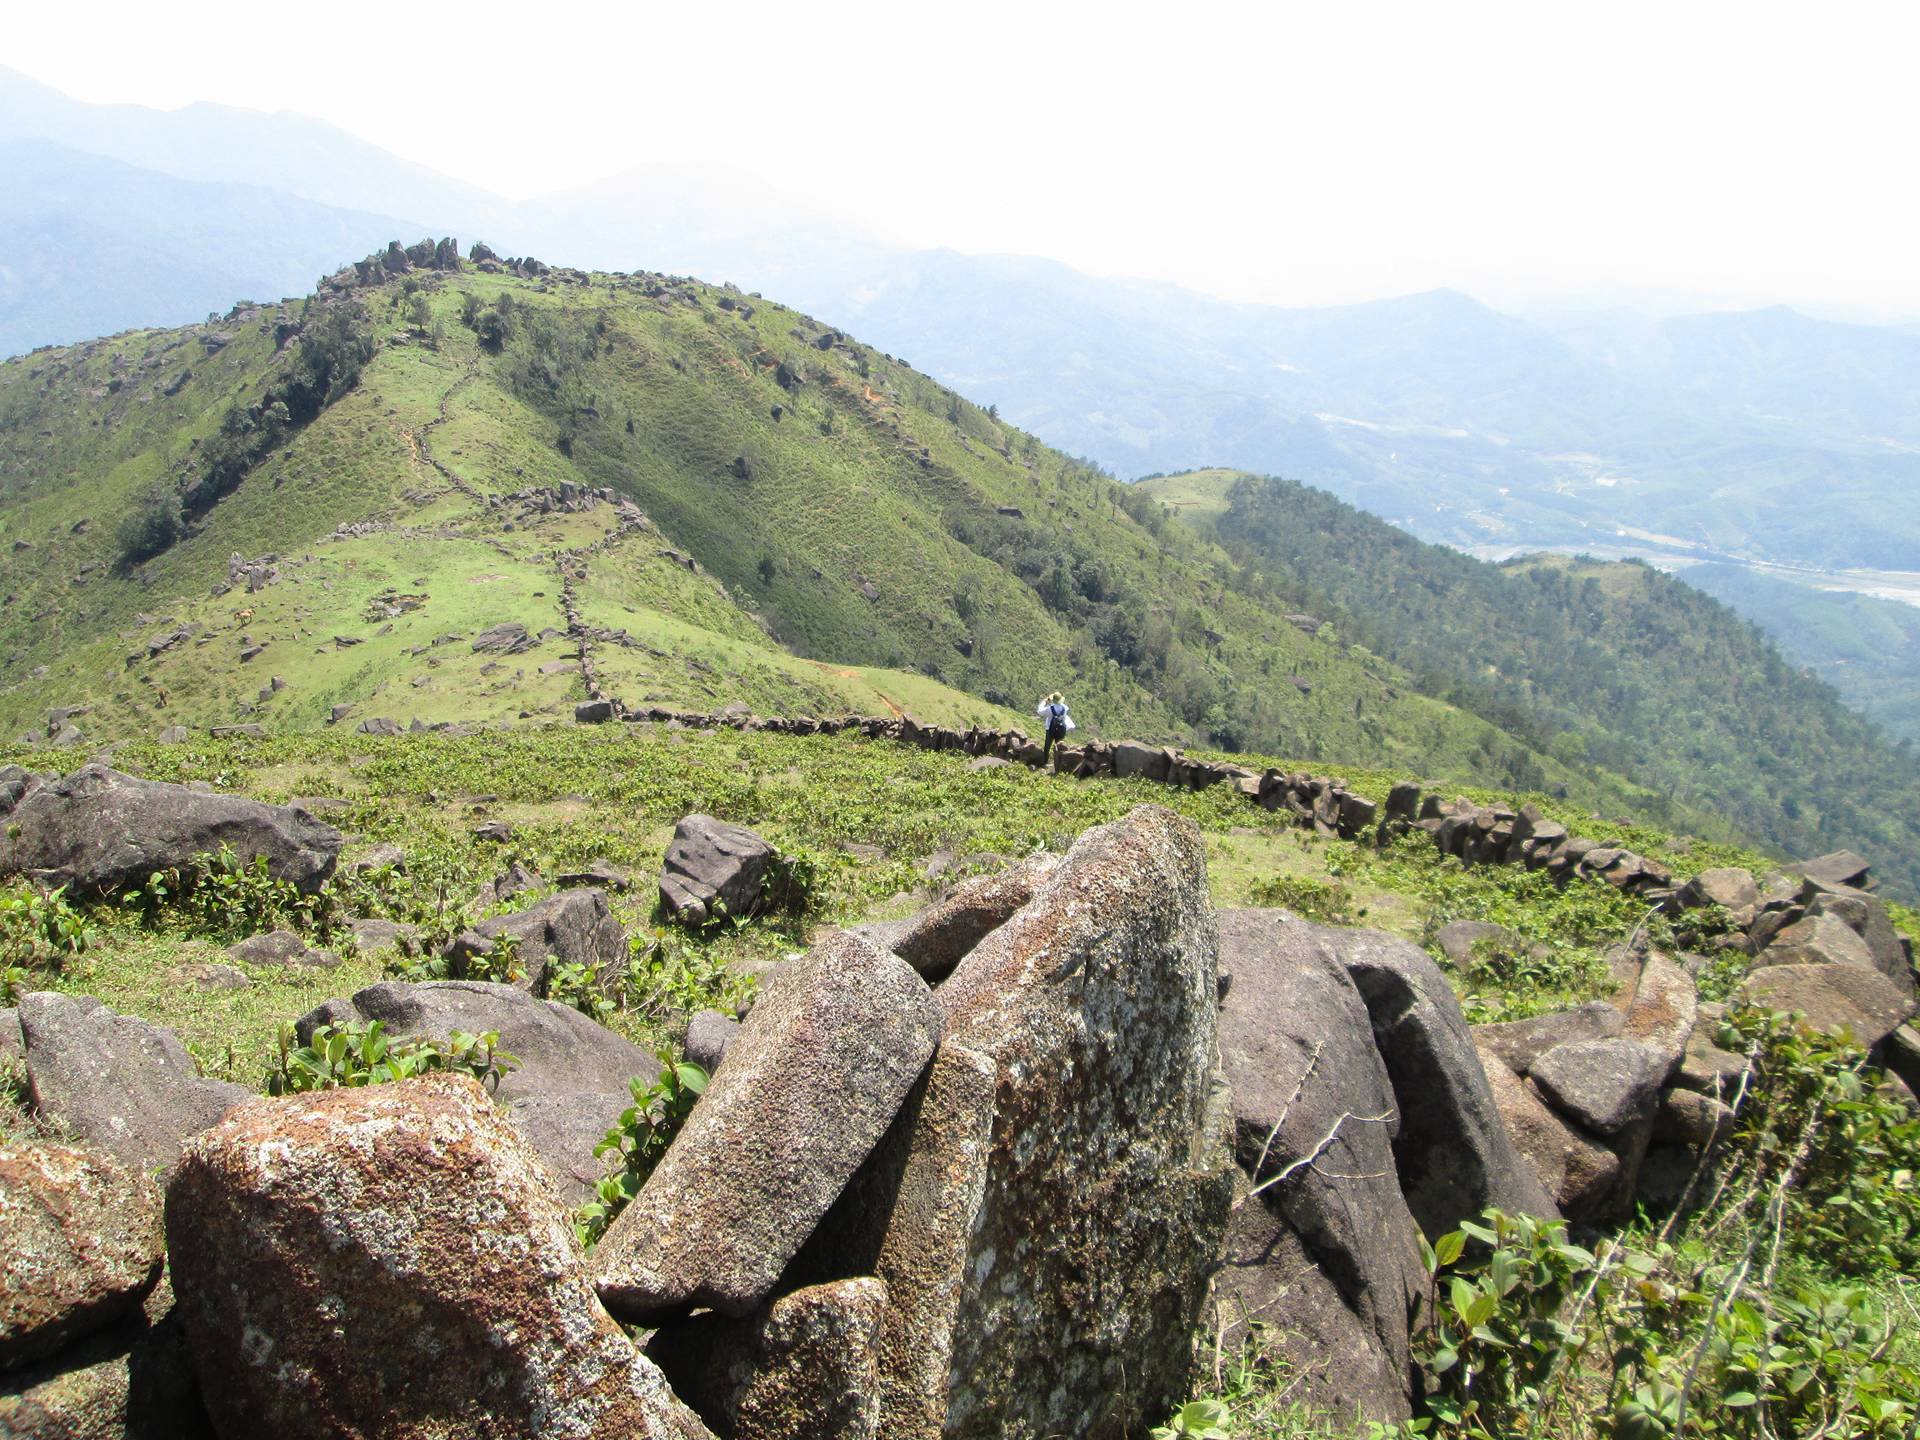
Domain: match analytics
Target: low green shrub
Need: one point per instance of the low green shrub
(226, 898)
(1326, 902)
(39, 930)
(640, 1137)
(355, 1053)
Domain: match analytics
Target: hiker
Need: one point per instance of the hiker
(1053, 710)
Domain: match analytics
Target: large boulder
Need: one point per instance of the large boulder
(940, 937)
(1841, 867)
(803, 1368)
(114, 1082)
(713, 869)
(1832, 997)
(1131, 758)
(574, 927)
(1866, 915)
(424, 1285)
(1047, 1208)
(99, 831)
(1664, 1008)
(1817, 939)
(811, 1082)
(569, 1081)
(82, 1238)
(1324, 1252)
(1731, 888)
(1453, 1153)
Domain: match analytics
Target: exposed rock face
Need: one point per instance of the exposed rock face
(570, 1083)
(939, 938)
(804, 1368)
(573, 927)
(1855, 997)
(1453, 1153)
(1048, 1206)
(82, 1240)
(99, 831)
(713, 868)
(812, 1081)
(1329, 1256)
(389, 1262)
(115, 1082)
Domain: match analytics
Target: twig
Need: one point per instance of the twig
(1325, 1140)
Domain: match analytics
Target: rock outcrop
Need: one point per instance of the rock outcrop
(1048, 1206)
(99, 831)
(390, 1262)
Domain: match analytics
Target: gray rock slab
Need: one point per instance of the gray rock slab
(811, 1083)
(117, 1083)
(713, 868)
(940, 937)
(1518, 1043)
(1832, 997)
(1453, 1153)
(99, 831)
(1604, 1085)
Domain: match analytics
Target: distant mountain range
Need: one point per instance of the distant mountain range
(1739, 437)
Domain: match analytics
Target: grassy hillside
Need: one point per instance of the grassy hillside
(823, 529)
(1615, 664)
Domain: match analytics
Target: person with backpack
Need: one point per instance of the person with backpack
(1053, 712)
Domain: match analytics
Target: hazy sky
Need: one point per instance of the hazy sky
(1294, 153)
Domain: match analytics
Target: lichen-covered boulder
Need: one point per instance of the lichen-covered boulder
(815, 1076)
(116, 1082)
(99, 831)
(83, 1245)
(806, 1367)
(1048, 1207)
(130, 1381)
(390, 1262)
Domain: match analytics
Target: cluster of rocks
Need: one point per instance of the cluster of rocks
(251, 575)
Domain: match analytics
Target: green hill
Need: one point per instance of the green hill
(821, 528)
(1613, 664)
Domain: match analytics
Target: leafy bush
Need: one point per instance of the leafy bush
(640, 1137)
(223, 896)
(39, 929)
(1326, 901)
(355, 1053)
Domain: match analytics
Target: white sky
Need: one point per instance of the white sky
(1298, 153)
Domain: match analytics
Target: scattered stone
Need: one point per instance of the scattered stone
(568, 1085)
(1832, 997)
(114, 1082)
(713, 869)
(284, 949)
(338, 713)
(1817, 939)
(1579, 1172)
(313, 1310)
(803, 1368)
(812, 1081)
(573, 927)
(508, 639)
(378, 725)
(1709, 1069)
(1606, 1085)
(82, 1239)
(498, 831)
(372, 936)
(1686, 1117)
(1730, 888)
(1518, 1043)
(1842, 867)
(1461, 939)
(174, 735)
(99, 831)
(600, 872)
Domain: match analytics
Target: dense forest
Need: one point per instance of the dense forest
(1614, 664)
